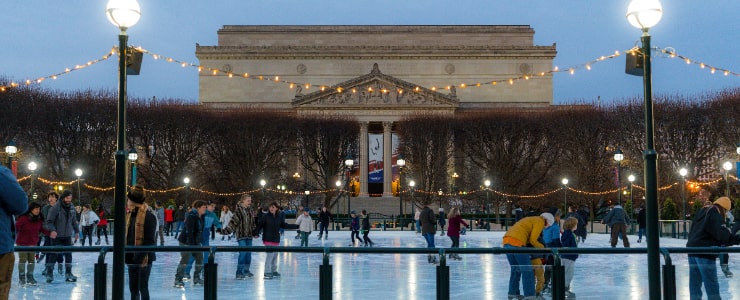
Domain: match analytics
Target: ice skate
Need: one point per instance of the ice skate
(726, 271)
(70, 278)
(178, 284)
(30, 280)
(22, 279)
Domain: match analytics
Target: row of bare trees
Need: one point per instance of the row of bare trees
(522, 152)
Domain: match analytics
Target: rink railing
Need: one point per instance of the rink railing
(443, 271)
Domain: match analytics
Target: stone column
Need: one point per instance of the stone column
(363, 159)
(387, 159)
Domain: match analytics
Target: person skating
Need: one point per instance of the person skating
(13, 201)
(617, 220)
(270, 225)
(304, 223)
(324, 218)
(442, 221)
(142, 228)
(708, 230)
(366, 229)
(103, 224)
(428, 229)
(523, 233)
(191, 235)
(28, 227)
(243, 225)
(354, 228)
(63, 227)
(89, 220)
(453, 231)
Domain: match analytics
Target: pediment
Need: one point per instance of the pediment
(375, 90)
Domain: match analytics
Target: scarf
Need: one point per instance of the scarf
(141, 211)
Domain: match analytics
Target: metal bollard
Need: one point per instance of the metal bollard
(443, 277)
(669, 277)
(211, 277)
(100, 282)
(558, 277)
(325, 274)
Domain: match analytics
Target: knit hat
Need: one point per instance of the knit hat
(307, 209)
(65, 194)
(724, 202)
(352, 213)
(549, 218)
(136, 194)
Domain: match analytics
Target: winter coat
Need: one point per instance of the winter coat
(160, 216)
(62, 218)
(708, 229)
(226, 218)
(616, 216)
(355, 224)
(366, 223)
(193, 232)
(89, 218)
(13, 201)
(270, 224)
(526, 231)
(642, 218)
(27, 230)
(518, 214)
(551, 236)
(169, 215)
(454, 227)
(180, 214)
(568, 240)
(428, 221)
(242, 224)
(325, 217)
(304, 222)
(103, 219)
(150, 238)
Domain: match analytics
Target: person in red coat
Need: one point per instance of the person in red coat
(103, 224)
(28, 227)
(453, 231)
(169, 218)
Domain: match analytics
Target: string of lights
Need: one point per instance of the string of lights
(406, 191)
(669, 52)
(66, 71)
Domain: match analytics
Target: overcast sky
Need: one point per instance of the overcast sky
(42, 37)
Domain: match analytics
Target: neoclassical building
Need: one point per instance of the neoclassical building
(377, 75)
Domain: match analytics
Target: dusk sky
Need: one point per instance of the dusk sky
(42, 37)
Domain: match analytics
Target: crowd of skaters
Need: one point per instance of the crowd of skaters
(59, 222)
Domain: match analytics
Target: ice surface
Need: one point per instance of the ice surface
(382, 276)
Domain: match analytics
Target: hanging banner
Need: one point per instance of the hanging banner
(375, 158)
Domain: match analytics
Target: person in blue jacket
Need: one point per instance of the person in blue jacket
(13, 201)
(568, 240)
(209, 219)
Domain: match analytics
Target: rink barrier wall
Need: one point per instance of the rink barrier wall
(325, 269)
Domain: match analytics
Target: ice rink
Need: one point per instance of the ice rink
(383, 276)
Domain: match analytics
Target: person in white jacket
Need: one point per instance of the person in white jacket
(88, 220)
(304, 223)
(226, 216)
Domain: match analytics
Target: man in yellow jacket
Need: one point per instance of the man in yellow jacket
(525, 232)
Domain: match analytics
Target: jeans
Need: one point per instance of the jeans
(245, 258)
(703, 270)
(178, 226)
(429, 237)
(418, 226)
(138, 281)
(521, 267)
(323, 227)
(51, 257)
(640, 233)
(204, 242)
(184, 258)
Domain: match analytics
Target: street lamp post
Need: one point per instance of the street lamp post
(123, 14)
(400, 162)
(186, 181)
(631, 179)
(11, 150)
(727, 166)
(644, 14)
(349, 161)
(618, 156)
(132, 157)
(454, 182)
(32, 167)
(412, 184)
(565, 193)
(339, 186)
(78, 173)
(487, 183)
(683, 172)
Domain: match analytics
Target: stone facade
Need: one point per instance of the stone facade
(431, 57)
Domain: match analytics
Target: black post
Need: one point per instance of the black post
(325, 278)
(100, 282)
(558, 277)
(119, 239)
(443, 277)
(651, 177)
(211, 277)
